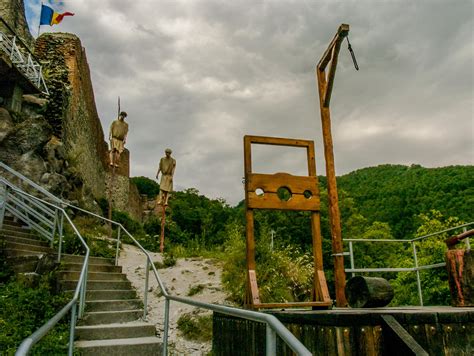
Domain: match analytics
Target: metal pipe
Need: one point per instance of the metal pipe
(60, 247)
(418, 279)
(3, 201)
(270, 341)
(118, 245)
(166, 327)
(145, 292)
(351, 253)
(72, 329)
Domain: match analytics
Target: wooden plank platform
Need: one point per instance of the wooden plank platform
(345, 331)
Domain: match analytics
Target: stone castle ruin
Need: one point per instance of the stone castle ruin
(57, 139)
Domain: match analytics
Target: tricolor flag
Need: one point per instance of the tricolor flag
(51, 17)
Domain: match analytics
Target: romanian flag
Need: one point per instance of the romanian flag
(51, 17)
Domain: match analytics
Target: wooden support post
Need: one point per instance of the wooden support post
(325, 89)
(163, 221)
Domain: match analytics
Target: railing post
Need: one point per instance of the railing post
(3, 203)
(351, 252)
(418, 279)
(468, 243)
(55, 222)
(166, 326)
(270, 341)
(145, 292)
(13, 47)
(73, 327)
(118, 244)
(60, 231)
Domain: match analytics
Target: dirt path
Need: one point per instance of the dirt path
(179, 279)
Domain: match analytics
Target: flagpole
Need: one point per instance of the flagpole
(39, 22)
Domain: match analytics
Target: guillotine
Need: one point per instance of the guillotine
(302, 194)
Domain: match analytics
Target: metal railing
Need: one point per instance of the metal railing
(22, 58)
(416, 267)
(48, 220)
(273, 326)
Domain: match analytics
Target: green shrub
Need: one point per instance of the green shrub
(24, 309)
(168, 261)
(196, 327)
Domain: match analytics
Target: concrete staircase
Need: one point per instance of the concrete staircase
(112, 322)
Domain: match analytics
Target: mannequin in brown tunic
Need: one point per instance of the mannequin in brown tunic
(117, 136)
(166, 167)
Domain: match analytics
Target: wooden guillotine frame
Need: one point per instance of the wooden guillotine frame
(261, 192)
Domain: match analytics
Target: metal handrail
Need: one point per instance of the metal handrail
(31, 183)
(416, 268)
(17, 54)
(273, 325)
(78, 298)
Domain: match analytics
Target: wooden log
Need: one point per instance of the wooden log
(368, 292)
(460, 266)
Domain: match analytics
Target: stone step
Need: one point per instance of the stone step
(67, 266)
(6, 234)
(110, 294)
(92, 260)
(97, 285)
(109, 317)
(111, 305)
(24, 240)
(27, 247)
(23, 264)
(14, 228)
(92, 276)
(15, 253)
(143, 346)
(115, 331)
(8, 220)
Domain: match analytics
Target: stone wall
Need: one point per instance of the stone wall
(71, 111)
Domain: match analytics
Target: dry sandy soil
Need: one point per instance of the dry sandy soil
(179, 279)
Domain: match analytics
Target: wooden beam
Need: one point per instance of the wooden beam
(334, 214)
(342, 32)
(399, 339)
(332, 74)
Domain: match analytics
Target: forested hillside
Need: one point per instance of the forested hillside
(396, 194)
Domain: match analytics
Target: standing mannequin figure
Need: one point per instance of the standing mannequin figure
(117, 136)
(166, 167)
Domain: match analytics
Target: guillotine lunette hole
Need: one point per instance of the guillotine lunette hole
(284, 193)
(308, 194)
(259, 192)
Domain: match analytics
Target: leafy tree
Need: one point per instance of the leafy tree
(146, 186)
(431, 250)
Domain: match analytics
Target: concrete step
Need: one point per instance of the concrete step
(27, 247)
(109, 317)
(110, 294)
(24, 240)
(111, 305)
(115, 331)
(92, 260)
(92, 276)
(8, 220)
(23, 264)
(15, 253)
(143, 346)
(97, 285)
(17, 231)
(67, 266)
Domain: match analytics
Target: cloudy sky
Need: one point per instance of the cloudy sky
(196, 76)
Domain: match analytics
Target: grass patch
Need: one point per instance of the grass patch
(196, 289)
(168, 261)
(196, 327)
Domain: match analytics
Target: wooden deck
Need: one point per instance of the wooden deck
(345, 331)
